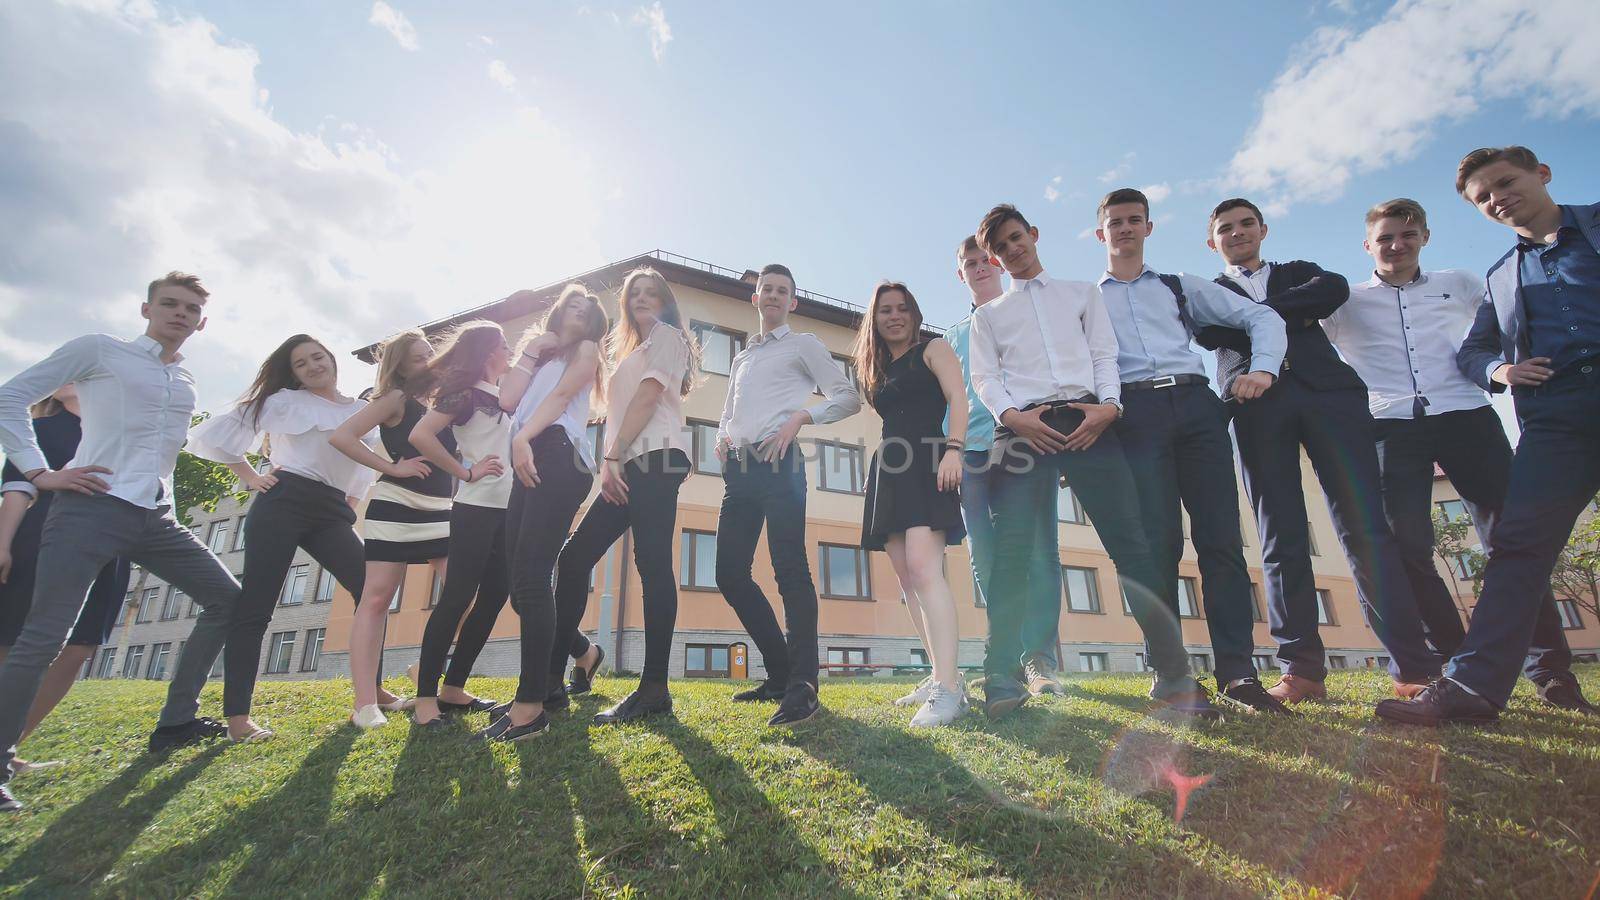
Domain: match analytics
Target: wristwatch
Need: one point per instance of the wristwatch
(1114, 402)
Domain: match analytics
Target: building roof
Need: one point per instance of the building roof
(677, 269)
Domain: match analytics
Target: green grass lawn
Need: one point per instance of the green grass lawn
(1064, 798)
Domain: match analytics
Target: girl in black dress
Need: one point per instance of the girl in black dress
(912, 509)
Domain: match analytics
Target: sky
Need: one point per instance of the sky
(349, 169)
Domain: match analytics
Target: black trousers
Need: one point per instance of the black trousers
(1338, 433)
(296, 512)
(1471, 447)
(1178, 448)
(1554, 476)
(537, 520)
(774, 495)
(653, 480)
(477, 567)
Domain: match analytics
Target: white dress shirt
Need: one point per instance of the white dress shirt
(1045, 339)
(574, 420)
(136, 412)
(1254, 283)
(1152, 340)
(664, 359)
(1402, 341)
(772, 378)
(297, 425)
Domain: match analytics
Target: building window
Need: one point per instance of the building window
(130, 666)
(108, 663)
(1337, 662)
(147, 605)
(1264, 662)
(1256, 614)
(718, 346)
(1200, 662)
(399, 591)
(1091, 662)
(849, 367)
(219, 536)
(313, 654)
(325, 584)
(193, 610)
(216, 666)
(843, 660)
(1570, 619)
(919, 657)
(279, 653)
(1311, 539)
(844, 572)
(294, 586)
(1454, 510)
(1082, 589)
(1586, 657)
(173, 604)
(705, 661)
(1188, 598)
(978, 599)
(1068, 509)
(127, 602)
(437, 588)
(1141, 662)
(159, 654)
(840, 467)
(597, 437)
(703, 437)
(238, 535)
(1325, 608)
(697, 562)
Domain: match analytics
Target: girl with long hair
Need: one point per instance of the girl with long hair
(654, 364)
(408, 511)
(912, 510)
(307, 500)
(548, 392)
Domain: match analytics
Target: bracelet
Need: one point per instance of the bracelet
(612, 458)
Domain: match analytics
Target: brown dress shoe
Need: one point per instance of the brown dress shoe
(1292, 689)
(1408, 690)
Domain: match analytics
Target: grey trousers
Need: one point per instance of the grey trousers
(80, 534)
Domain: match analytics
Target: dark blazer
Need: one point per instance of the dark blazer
(1304, 294)
(1498, 334)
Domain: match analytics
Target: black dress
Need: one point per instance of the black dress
(408, 519)
(903, 478)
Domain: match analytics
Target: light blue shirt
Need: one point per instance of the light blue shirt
(980, 423)
(1152, 341)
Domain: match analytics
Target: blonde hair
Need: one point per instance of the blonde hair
(625, 336)
(1402, 208)
(391, 356)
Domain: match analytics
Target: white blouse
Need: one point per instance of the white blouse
(487, 433)
(574, 419)
(664, 358)
(297, 424)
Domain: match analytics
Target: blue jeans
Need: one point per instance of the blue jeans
(1041, 620)
(1554, 475)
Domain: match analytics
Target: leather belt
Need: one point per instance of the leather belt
(1163, 382)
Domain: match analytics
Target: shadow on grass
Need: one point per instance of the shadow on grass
(85, 842)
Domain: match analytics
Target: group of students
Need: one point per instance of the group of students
(475, 459)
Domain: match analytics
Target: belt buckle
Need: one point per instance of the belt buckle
(1165, 381)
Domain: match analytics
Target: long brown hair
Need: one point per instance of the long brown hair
(598, 325)
(871, 350)
(276, 375)
(392, 355)
(460, 363)
(625, 337)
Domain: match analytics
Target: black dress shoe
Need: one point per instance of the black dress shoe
(1002, 694)
(640, 704)
(1563, 692)
(503, 732)
(1248, 696)
(769, 691)
(557, 699)
(582, 680)
(1442, 703)
(499, 710)
(476, 704)
(435, 725)
(799, 704)
(194, 731)
(8, 803)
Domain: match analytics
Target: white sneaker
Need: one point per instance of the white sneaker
(918, 695)
(369, 716)
(399, 704)
(943, 706)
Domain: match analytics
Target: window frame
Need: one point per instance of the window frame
(1563, 604)
(858, 466)
(280, 644)
(159, 654)
(1325, 607)
(688, 544)
(738, 340)
(1189, 586)
(1079, 516)
(299, 573)
(709, 650)
(1091, 577)
(863, 571)
(702, 431)
(311, 656)
(1089, 659)
(850, 669)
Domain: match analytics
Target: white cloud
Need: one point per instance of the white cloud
(1355, 101)
(395, 22)
(1156, 193)
(500, 74)
(487, 41)
(1052, 191)
(654, 18)
(1120, 169)
(179, 164)
(1086, 234)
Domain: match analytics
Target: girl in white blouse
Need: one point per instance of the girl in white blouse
(306, 500)
(646, 460)
(549, 389)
